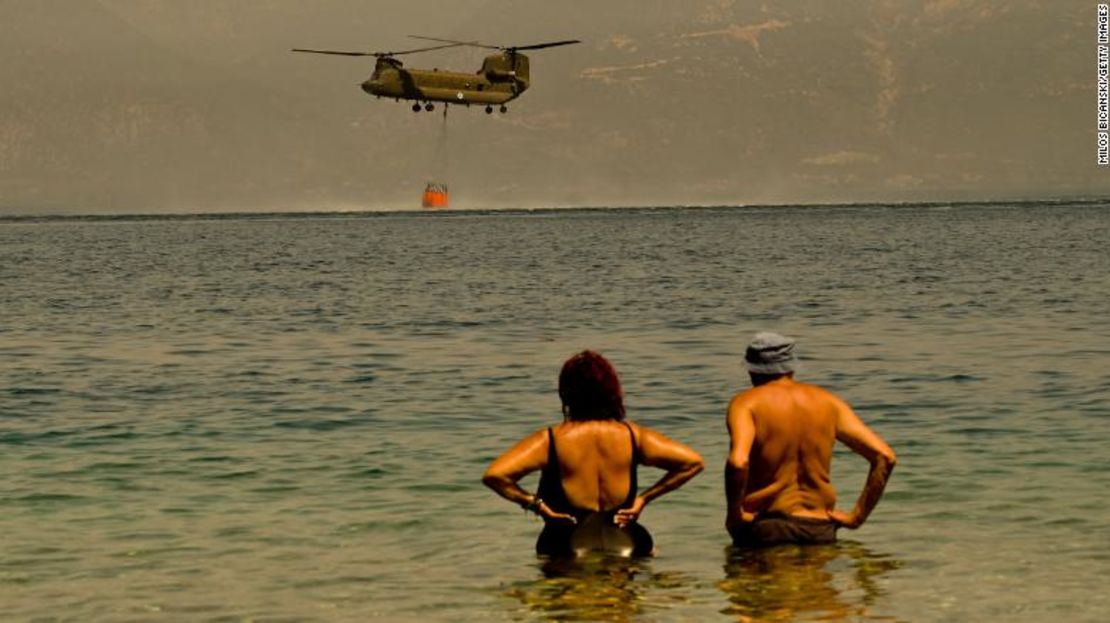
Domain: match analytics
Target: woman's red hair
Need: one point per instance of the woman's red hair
(590, 389)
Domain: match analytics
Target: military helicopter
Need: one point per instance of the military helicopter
(502, 78)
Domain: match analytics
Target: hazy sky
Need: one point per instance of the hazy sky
(198, 105)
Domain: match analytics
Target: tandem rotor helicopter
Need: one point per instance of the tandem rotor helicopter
(503, 77)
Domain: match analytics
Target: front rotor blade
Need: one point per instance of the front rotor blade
(334, 52)
(345, 53)
(540, 46)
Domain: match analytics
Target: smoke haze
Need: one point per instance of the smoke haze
(168, 106)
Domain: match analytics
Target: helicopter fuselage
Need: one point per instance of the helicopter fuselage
(503, 77)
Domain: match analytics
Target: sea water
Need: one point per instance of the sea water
(286, 418)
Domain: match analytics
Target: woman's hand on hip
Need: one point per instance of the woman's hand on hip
(547, 513)
(627, 516)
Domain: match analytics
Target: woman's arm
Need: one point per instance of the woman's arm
(527, 456)
(657, 450)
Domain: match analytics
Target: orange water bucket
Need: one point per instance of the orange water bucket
(435, 196)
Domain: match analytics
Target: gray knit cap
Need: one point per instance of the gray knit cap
(770, 353)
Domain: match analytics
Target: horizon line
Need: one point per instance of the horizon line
(339, 213)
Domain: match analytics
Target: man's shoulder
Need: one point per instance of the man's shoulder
(753, 397)
(814, 389)
(743, 396)
(771, 391)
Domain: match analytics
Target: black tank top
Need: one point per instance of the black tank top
(551, 480)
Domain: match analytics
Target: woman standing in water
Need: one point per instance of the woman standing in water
(588, 496)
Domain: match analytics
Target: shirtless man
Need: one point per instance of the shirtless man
(781, 435)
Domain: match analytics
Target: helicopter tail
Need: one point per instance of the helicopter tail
(520, 69)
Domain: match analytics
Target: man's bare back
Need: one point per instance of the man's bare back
(782, 434)
(793, 428)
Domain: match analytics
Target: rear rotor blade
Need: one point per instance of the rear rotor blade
(470, 43)
(452, 44)
(510, 48)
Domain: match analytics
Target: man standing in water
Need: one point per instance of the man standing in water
(782, 432)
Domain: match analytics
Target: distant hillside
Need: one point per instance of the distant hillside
(167, 105)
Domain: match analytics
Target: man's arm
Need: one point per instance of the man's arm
(852, 432)
(741, 435)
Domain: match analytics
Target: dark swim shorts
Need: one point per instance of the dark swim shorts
(777, 528)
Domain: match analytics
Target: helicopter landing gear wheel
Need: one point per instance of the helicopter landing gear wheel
(504, 109)
(429, 107)
(489, 109)
(416, 108)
